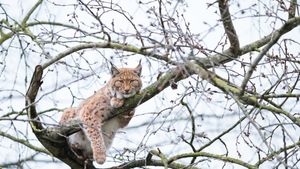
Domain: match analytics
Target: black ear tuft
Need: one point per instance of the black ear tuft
(138, 69)
(113, 70)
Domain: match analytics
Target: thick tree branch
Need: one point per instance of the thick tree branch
(292, 9)
(228, 26)
(57, 148)
(35, 83)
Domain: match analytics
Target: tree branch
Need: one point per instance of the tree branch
(276, 35)
(245, 98)
(214, 156)
(25, 143)
(103, 45)
(227, 55)
(228, 26)
(19, 162)
(27, 16)
(275, 153)
(35, 83)
(151, 162)
(222, 134)
(292, 9)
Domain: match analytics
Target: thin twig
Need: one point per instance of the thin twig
(25, 143)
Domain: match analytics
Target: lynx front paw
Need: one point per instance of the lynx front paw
(100, 158)
(116, 103)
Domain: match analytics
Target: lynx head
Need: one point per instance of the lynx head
(125, 82)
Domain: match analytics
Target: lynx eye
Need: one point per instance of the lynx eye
(134, 82)
(119, 83)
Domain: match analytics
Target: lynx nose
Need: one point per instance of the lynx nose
(127, 91)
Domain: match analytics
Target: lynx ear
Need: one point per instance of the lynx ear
(113, 70)
(138, 69)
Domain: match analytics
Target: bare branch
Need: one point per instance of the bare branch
(27, 16)
(292, 9)
(275, 153)
(228, 26)
(150, 162)
(214, 156)
(25, 143)
(110, 45)
(31, 93)
(19, 162)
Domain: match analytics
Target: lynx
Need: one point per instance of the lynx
(97, 135)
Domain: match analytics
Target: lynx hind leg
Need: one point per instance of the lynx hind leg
(116, 103)
(68, 114)
(80, 145)
(124, 119)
